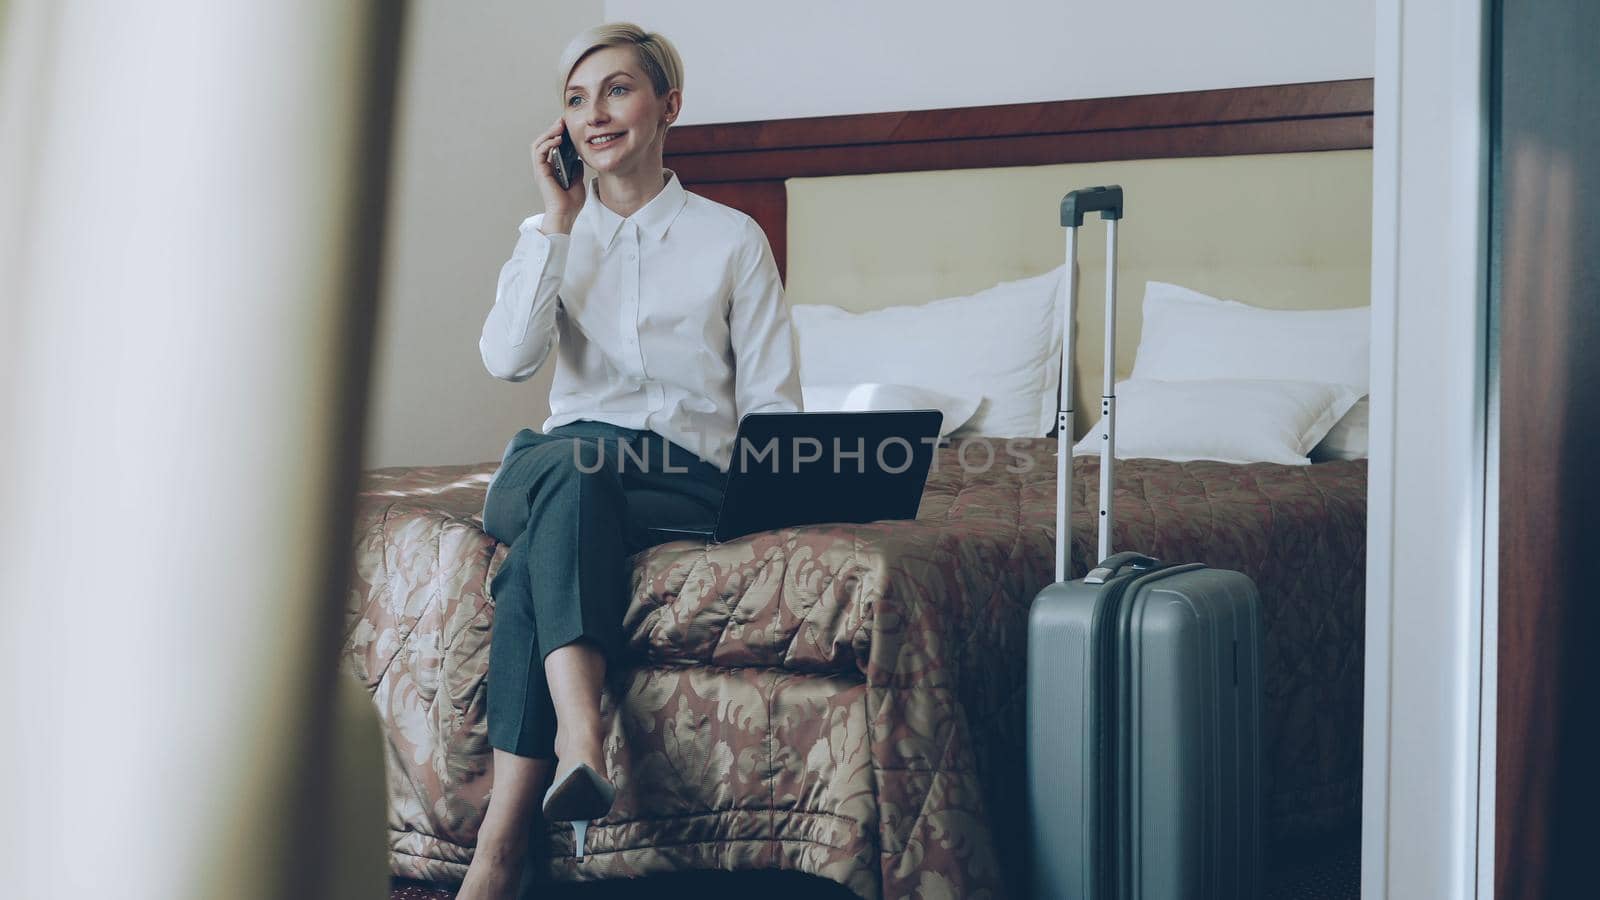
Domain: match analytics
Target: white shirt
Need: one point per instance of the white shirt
(671, 320)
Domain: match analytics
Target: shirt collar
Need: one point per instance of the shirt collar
(654, 218)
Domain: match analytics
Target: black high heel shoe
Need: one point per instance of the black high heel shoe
(581, 796)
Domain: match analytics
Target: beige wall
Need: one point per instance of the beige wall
(476, 87)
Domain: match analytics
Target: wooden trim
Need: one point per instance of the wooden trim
(748, 161)
(1028, 150)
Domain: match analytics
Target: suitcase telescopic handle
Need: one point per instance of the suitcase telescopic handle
(1107, 201)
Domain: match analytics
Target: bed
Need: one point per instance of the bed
(846, 701)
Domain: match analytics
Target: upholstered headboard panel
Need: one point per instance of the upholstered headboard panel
(1289, 231)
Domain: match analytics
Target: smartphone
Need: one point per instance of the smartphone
(564, 159)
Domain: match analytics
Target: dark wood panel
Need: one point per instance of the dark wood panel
(1290, 101)
(1545, 197)
(1029, 150)
(743, 164)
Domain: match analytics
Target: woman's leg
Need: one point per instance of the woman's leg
(522, 717)
(575, 673)
(625, 498)
(561, 585)
(501, 854)
(577, 567)
(561, 593)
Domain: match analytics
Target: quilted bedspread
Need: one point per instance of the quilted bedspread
(847, 700)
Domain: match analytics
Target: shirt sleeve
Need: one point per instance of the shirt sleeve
(520, 330)
(766, 367)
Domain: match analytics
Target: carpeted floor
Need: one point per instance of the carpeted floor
(1329, 871)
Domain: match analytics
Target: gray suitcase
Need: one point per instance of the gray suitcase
(1144, 692)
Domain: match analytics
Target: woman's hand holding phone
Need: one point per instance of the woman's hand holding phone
(561, 205)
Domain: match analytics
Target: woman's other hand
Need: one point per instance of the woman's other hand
(560, 206)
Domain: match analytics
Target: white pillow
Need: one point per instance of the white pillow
(876, 397)
(1348, 437)
(1188, 336)
(1235, 421)
(999, 349)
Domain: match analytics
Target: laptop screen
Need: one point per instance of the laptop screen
(791, 469)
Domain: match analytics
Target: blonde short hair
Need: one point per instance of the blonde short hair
(657, 57)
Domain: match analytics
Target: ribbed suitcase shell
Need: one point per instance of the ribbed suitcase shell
(1144, 748)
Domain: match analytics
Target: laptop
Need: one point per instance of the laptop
(808, 468)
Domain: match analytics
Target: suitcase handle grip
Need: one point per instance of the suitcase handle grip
(1107, 201)
(1112, 566)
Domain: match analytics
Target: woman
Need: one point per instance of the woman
(668, 323)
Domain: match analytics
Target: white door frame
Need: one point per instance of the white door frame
(1428, 772)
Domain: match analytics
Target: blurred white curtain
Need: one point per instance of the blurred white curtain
(189, 226)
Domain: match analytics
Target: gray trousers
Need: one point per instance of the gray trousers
(574, 507)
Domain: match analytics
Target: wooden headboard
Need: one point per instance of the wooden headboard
(744, 164)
